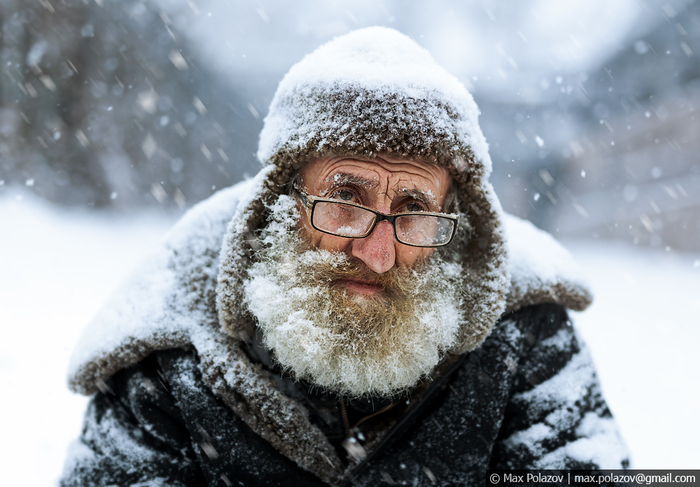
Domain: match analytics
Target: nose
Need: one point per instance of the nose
(376, 250)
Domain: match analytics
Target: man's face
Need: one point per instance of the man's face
(385, 184)
(359, 316)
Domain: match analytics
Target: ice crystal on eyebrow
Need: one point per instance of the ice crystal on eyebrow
(347, 178)
(341, 178)
(426, 196)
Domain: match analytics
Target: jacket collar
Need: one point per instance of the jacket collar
(171, 302)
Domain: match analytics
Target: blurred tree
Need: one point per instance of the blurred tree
(103, 105)
(136, 102)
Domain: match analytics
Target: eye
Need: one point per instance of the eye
(344, 195)
(413, 206)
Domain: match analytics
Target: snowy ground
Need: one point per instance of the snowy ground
(644, 333)
(57, 267)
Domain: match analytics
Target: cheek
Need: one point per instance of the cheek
(330, 243)
(407, 256)
(321, 240)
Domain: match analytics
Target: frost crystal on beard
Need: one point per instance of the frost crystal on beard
(346, 343)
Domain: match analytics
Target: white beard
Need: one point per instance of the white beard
(350, 344)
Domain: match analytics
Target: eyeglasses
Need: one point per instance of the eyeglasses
(419, 229)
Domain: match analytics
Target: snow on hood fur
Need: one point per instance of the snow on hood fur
(170, 302)
(370, 92)
(375, 91)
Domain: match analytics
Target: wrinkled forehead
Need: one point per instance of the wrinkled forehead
(381, 172)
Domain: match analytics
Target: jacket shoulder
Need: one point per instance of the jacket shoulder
(541, 269)
(133, 434)
(172, 428)
(168, 297)
(556, 416)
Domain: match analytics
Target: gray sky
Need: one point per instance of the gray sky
(501, 49)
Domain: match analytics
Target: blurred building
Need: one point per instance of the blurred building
(589, 110)
(633, 173)
(103, 105)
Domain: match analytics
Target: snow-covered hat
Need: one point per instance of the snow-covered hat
(370, 92)
(373, 91)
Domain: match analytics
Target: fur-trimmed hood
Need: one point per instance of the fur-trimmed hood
(371, 92)
(375, 91)
(170, 302)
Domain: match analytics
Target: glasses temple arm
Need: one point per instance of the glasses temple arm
(303, 196)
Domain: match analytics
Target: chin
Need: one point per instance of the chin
(330, 323)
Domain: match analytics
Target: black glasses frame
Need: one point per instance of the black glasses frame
(311, 201)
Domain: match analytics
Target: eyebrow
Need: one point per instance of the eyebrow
(342, 178)
(425, 197)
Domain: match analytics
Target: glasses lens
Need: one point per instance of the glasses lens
(424, 230)
(341, 219)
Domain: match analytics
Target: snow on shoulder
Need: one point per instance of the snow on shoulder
(165, 302)
(541, 269)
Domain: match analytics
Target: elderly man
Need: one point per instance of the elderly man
(361, 312)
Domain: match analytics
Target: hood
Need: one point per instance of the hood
(170, 302)
(191, 290)
(375, 91)
(370, 92)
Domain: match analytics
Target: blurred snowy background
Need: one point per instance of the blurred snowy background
(116, 116)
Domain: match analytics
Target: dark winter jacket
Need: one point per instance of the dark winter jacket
(181, 399)
(178, 402)
(511, 404)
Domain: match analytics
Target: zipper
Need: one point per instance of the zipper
(406, 421)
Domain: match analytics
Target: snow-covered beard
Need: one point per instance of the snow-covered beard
(351, 344)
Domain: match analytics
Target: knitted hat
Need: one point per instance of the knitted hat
(370, 92)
